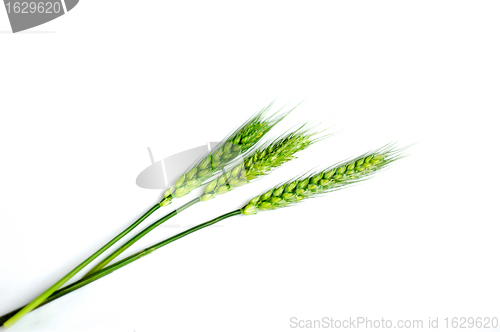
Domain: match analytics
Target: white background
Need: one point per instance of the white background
(83, 96)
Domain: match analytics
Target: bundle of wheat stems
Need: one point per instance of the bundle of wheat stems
(230, 173)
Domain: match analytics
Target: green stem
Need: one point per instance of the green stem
(136, 238)
(36, 302)
(87, 280)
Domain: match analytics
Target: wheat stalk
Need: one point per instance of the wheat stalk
(235, 144)
(296, 190)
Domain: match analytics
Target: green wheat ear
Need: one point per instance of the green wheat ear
(331, 179)
(262, 161)
(234, 145)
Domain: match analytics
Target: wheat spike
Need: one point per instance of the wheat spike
(236, 144)
(331, 179)
(262, 161)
